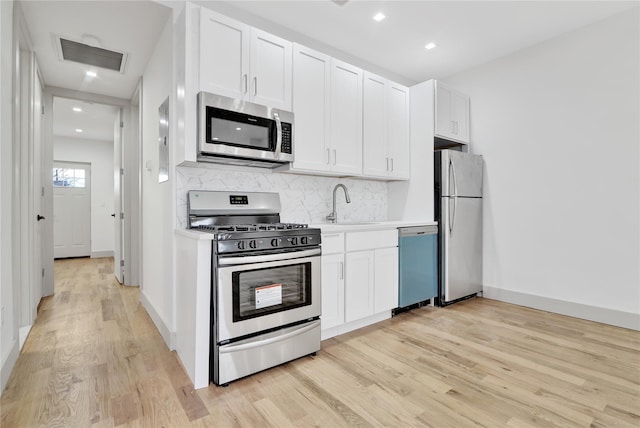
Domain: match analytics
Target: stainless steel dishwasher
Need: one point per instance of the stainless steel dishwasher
(418, 252)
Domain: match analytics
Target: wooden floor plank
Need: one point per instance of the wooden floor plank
(94, 358)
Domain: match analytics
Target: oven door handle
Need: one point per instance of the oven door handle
(243, 346)
(231, 261)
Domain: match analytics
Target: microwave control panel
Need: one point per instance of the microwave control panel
(286, 138)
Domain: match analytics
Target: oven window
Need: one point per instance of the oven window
(265, 291)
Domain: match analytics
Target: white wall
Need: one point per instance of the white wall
(8, 287)
(158, 200)
(557, 125)
(100, 155)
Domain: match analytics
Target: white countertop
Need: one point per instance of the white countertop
(364, 225)
(195, 234)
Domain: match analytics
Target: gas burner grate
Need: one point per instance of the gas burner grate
(251, 227)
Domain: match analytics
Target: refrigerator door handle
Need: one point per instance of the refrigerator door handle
(455, 208)
(452, 168)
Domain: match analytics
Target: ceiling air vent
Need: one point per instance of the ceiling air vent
(70, 50)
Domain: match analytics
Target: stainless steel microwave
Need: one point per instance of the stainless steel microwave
(243, 133)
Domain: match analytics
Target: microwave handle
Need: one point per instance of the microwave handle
(278, 135)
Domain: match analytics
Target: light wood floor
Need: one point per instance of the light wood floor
(94, 358)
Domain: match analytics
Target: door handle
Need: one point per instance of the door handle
(113, 215)
(39, 217)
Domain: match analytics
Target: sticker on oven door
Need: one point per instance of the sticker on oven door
(268, 295)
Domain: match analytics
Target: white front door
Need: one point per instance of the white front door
(71, 209)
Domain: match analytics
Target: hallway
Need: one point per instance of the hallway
(95, 357)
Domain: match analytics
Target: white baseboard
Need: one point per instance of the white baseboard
(353, 325)
(103, 253)
(23, 332)
(9, 364)
(578, 310)
(168, 336)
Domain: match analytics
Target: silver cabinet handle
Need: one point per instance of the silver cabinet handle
(255, 86)
(341, 270)
(335, 156)
(278, 135)
(453, 127)
(387, 164)
(328, 156)
(246, 88)
(391, 164)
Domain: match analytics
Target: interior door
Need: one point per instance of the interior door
(71, 209)
(118, 215)
(37, 193)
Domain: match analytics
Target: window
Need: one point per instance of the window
(68, 177)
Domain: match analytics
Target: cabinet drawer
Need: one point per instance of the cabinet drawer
(370, 240)
(332, 243)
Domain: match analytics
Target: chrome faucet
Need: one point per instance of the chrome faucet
(333, 217)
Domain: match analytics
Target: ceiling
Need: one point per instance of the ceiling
(95, 120)
(467, 33)
(133, 27)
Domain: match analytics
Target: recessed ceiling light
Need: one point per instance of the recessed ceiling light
(77, 109)
(78, 130)
(379, 17)
(430, 46)
(91, 74)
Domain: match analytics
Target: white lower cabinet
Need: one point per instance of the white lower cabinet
(359, 279)
(360, 283)
(332, 290)
(385, 289)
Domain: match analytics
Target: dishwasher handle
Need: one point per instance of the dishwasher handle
(417, 231)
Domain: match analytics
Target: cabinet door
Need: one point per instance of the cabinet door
(332, 291)
(359, 289)
(311, 108)
(375, 159)
(460, 115)
(398, 130)
(386, 279)
(224, 55)
(271, 68)
(346, 118)
(444, 119)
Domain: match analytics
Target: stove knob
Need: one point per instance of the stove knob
(304, 240)
(240, 245)
(294, 241)
(253, 244)
(274, 242)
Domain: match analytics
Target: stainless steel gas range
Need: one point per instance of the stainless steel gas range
(265, 296)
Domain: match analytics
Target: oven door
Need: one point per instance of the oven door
(258, 293)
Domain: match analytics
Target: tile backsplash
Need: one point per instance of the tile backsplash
(304, 198)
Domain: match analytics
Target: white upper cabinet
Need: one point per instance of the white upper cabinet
(452, 113)
(271, 70)
(386, 128)
(311, 108)
(346, 118)
(327, 104)
(224, 55)
(375, 148)
(242, 62)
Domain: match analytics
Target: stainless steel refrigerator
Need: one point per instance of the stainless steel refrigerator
(458, 210)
